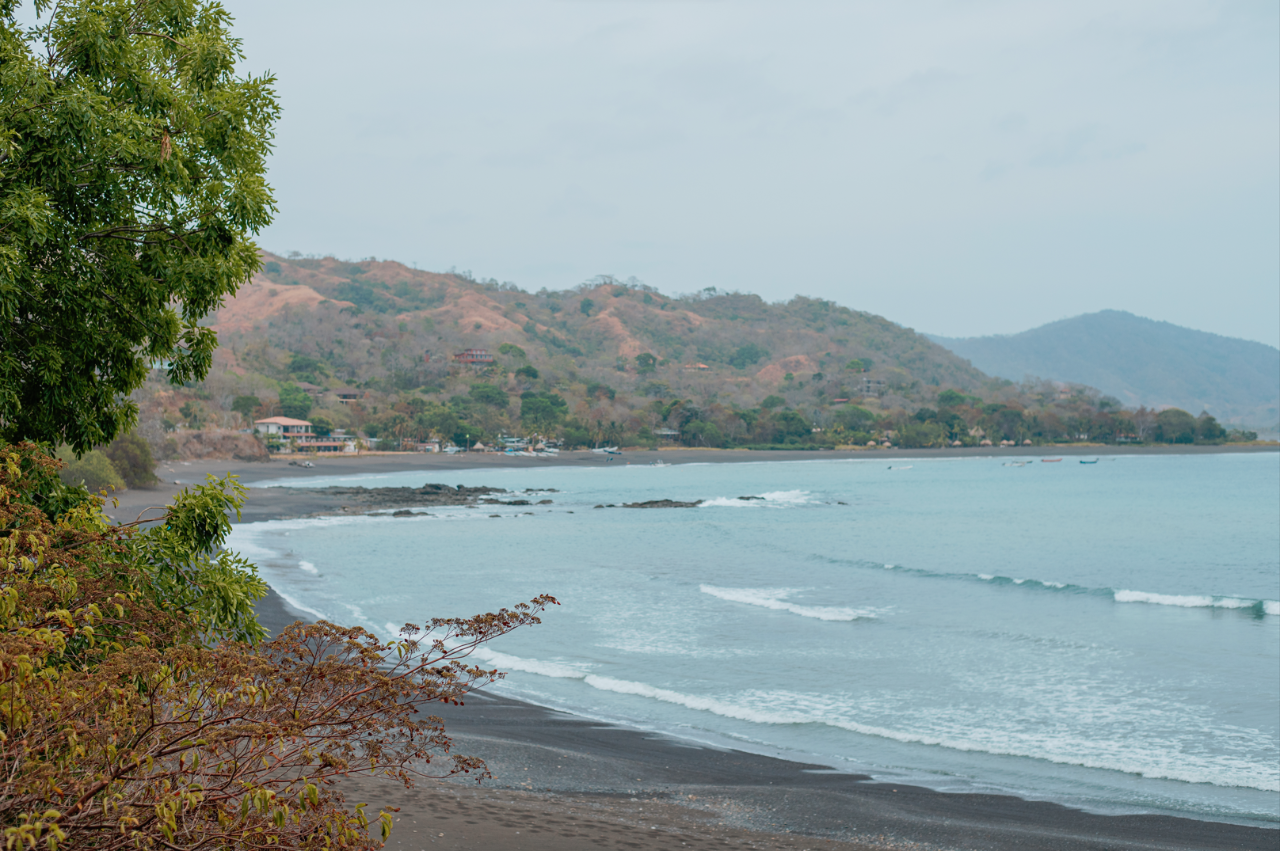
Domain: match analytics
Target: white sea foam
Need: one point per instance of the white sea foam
(773, 499)
(775, 598)
(308, 567)
(756, 708)
(986, 576)
(1196, 601)
(295, 604)
(507, 662)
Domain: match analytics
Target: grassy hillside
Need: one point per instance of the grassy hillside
(1141, 362)
(368, 347)
(324, 307)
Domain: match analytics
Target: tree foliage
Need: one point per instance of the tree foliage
(295, 402)
(131, 456)
(131, 179)
(136, 717)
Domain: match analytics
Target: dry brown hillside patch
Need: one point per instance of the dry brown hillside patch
(775, 372)
(261, 299)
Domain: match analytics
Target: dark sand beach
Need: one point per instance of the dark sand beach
(564, 782)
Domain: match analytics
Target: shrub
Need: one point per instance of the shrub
(143, 710)
(92, 471)
(131, 457)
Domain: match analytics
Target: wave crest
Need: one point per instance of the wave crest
(775, 598)
(1197, 601)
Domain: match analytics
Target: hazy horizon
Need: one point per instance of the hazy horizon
(962, 170)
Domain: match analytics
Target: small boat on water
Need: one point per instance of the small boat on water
(1050, 460)
(1015, 463)
(1089, 461)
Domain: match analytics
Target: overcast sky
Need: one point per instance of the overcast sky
(961, 168)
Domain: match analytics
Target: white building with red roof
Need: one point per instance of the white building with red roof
(285, 427)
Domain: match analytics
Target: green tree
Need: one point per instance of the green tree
(747, 355)
(541, 410)
(131, 457)
(791, 425)
(246, 405)
(1174, 425)
(529, 372)
(294, 402)
(488, 394)
(854, 418)
(646, 363)
(1208, 430)
(190, 413)
(702, 433)
(321, 426)
(132, 180)
(772, 401)
(512, 350)
(586, 306)
(308, 368)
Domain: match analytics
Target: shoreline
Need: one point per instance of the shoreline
(547, 762)
(567, 782)
(266, 505)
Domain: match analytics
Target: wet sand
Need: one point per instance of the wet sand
(564, 783)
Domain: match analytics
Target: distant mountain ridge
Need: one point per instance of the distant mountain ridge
(1141, 362)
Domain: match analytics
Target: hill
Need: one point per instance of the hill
(399, 356)
(389, 327)
(1140, 362)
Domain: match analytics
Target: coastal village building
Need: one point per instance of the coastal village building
(296, 435)
(474, 357)
(284, 427)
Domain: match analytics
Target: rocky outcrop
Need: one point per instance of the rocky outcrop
(373, 499)
(219, 445)
(663, 503)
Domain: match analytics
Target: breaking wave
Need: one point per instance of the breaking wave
(1198, 601)
(1186, 601)
(773, 499)
(754, 709)
(775, 598)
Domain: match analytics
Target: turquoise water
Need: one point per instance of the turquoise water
(1106, 635)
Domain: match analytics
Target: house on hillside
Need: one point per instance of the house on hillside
(474, 357)
(346, 397)
(312, 390)
(698, 366)
(284, 427)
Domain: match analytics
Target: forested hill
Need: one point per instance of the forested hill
(1141, 362)
(375, 323)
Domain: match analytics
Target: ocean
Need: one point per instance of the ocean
(1102, 635)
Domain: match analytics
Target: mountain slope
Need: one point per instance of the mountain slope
(381, 321)
(1141, 362)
